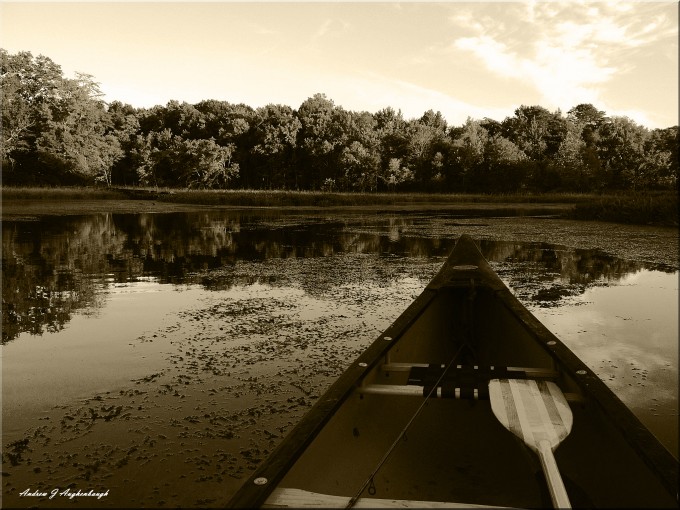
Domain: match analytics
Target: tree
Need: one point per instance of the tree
(570, 161)
(225, 122)
(493, 127)
(438, 164)
(164, 159)
(76, 134)
(124, 125)
(360, 167)
(182, 119)
(426, 137)
(59, 130)
(152, 158)
(29, 86)
(662, 147)
(396, 174)
(468, 146)
(504, 162)
(392, 138)
(274, 138)
(621, 148)
(538, 133)
(590, 118)
(54, 126)
(323, 134)
(204, 164)
(433, 119)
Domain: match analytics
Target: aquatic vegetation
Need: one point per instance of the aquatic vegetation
(634, 208)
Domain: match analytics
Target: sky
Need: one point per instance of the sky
(464, 59)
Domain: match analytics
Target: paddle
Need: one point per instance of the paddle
(537, 413)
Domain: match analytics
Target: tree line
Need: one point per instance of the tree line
(60, 131)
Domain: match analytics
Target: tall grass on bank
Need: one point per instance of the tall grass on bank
(633, 208)
(279, 198)
(645, 208)
(325, 199)
(65, 193)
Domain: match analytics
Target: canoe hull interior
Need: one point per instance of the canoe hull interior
(375, 429)
(455, 449)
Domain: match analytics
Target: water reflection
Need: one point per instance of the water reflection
(628, 335)
(55, 266)
(132, 296)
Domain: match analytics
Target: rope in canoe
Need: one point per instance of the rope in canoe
(466, 343)
(369, 480)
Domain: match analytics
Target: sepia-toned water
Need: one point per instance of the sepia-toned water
(156, 359)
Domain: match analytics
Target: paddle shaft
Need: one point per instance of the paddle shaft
(558, 493)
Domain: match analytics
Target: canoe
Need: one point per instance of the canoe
(445, 408)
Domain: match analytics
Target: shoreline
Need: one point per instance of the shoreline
(11, 209)
(657, 209)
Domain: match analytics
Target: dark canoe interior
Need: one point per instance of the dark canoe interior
(455, 450)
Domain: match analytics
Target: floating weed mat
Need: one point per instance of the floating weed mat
(243, 364)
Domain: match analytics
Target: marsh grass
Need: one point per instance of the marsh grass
(633, 208)
(63, 193)
(259, 198)
(277, 198)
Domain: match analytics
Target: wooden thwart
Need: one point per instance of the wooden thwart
(412, 391)
(453, 381)
(417, 391)
(298, 498)
(533, 373)
(537, 413)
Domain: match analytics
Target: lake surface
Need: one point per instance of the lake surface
(149, 353)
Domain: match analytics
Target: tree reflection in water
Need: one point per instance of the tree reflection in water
(56, 266)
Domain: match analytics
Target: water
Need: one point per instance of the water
(212, 332)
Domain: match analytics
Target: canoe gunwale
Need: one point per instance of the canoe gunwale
(456, 274)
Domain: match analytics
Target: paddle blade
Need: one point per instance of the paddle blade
(535, 411)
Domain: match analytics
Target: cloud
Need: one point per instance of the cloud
(323, 29)
(494, 54)
(261, 29)
(568, 52)
(561, 78)
(638, 116)
(372, 92)
(416, 100)
(330, 27)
